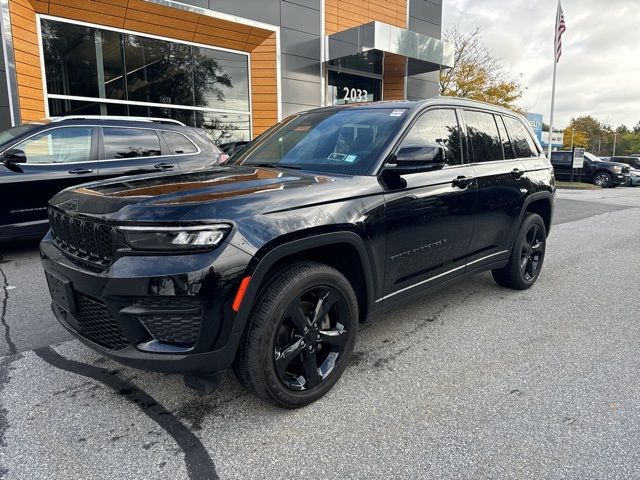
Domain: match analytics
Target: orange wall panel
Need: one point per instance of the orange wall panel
(393, 77)
(145, 17)
(344, 14)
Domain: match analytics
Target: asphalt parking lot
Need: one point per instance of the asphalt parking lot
(472, 382)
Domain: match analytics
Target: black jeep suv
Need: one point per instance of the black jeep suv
(37, 160)
(268, 264)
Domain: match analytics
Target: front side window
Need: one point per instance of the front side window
(483, 135)
(130, 143)
(344, 141)
(437, 128)
(60, 145)
(523, 144)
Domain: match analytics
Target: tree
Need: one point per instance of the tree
(476, 74)
(579, 138)
(622, 129)
(636, 129)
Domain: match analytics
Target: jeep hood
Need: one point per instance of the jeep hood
(222, 192)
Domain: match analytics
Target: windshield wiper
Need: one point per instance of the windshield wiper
(277, 165)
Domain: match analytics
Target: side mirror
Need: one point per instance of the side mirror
(418, 158)
(14, 155)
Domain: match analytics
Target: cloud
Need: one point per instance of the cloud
(599, 72)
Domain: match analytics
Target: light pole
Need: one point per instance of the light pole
(573, 134)
(615, 136)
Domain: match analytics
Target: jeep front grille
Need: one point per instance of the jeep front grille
(88, 240)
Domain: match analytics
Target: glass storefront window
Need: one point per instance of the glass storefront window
(70, 59)
(100, 64)
(348, 88)
(368, 62)
(158, 71)
(221, 79)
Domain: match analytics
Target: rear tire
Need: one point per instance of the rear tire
(527, 255)
(300, 337)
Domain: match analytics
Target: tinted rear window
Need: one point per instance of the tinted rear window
(130, 143)
(561, 157)
(504, 137)
(484, 137)
(178, 143)
(523, 144)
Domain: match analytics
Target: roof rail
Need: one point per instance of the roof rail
(115, 117)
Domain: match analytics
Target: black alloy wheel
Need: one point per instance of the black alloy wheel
(602, 179)
(532, 250)
(527, 255)
(300, 335)
(311, 338)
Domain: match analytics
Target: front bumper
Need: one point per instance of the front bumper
(168, 313)
(634, 181)
(620, 179)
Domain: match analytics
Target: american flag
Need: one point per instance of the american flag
(560, 29)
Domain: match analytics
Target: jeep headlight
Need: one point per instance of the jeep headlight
(617, 169)
(178, 238)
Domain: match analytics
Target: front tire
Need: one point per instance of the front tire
(527, 255)
(603, 179)
(301, 335)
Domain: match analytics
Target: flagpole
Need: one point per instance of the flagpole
(553, 88)
(553, 101)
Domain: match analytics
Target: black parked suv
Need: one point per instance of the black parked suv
(633, 162)
(37, 160)
(268, 264)
(604, 173)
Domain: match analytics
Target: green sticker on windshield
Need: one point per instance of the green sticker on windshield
(350, 158)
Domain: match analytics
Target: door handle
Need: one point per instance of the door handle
(81, 171)
(462, 181)
(163, 166)
(516, 173)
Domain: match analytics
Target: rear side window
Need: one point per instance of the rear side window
(437, 127)
(483, 134)
(130, 143)
(504, 138)
(523, 144)
(178, 143)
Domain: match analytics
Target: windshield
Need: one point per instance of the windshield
(592, 157)
(344, 141)
(14, 132)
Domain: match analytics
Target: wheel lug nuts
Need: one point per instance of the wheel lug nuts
(302, 344)
(306, 329)
(310, 347)
(317, 337)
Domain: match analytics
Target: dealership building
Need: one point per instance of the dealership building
(234, 67)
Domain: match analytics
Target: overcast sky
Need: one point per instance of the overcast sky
(599, 72)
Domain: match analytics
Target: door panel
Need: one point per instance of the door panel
(501, 195)
(429, 225)
(562, 163)
(502, 186)
(429, 214)
(56, 159)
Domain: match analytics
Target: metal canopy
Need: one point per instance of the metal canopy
(426, 53)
